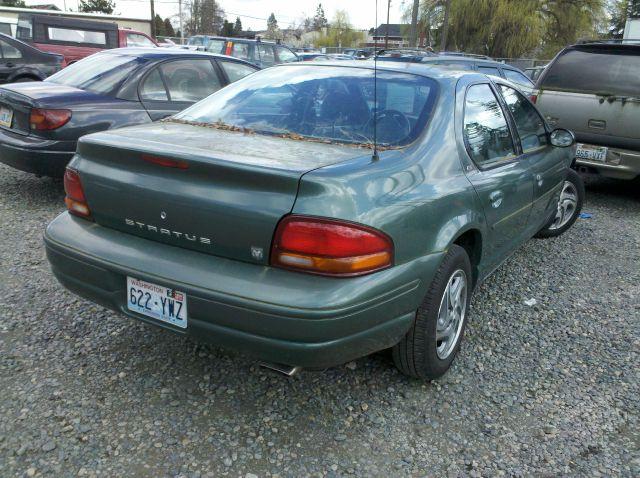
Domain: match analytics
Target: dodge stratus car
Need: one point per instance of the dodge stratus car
(260, 218)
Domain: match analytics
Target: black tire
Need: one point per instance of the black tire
(416, 355)
(573, 180)
(24, 79)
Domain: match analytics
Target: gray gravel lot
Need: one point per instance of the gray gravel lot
(549, 389)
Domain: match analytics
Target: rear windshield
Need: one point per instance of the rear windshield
(99, 73)
(322, 103)
(606, 73)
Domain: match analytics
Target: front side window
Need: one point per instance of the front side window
(100, 73)
(285, 55)
(190, 80)
(518, 78)
(529, 123)
(71, 35)
(323, 104)
(235, 70)
(485, 128)
(265, 54)
(9, 51)
(135, 39)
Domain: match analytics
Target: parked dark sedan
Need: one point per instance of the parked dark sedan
(40, 123)
(260, 218)
(22, 62)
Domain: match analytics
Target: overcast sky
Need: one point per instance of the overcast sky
(361, 12)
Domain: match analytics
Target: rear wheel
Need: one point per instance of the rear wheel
(568, 208)
(433, 341)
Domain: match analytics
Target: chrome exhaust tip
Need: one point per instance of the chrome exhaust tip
(287, 370)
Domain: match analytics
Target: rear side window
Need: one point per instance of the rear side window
(72, 35)
(190, 80)
(9, 51)
(517, 77)
(285, 55)
(485, 128)
(529, 124)
(240, 50)
(135, 39)
(265, 54)
(595, 71)
(153, 87)
(235, 70)
(216, 46)
(489, 70)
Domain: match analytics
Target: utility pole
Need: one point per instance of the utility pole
(445, 26)
(386, 35)
(153, 20)
(413, 35)
(181, 27)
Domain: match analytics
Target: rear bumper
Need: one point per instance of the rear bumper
(272, 314)
(619, 164)
(35, 155)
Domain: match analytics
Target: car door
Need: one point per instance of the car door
(547, 162)
(500, 175)
(174, 85)
(10, 57)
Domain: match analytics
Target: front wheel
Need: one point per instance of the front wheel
(433, 341)
(568, 208)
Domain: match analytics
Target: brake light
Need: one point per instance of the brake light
(166, 162)
(45, 120)
(533, 98)
(330, 247)
(75, 199)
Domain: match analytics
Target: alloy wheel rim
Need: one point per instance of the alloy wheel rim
(451, 315)
(567, 205)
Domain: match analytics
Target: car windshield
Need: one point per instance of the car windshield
(322, 103)
(595, 71)
(100, 73)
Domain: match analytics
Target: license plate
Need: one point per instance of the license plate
(159, 302)
(6, 116)
(591, 153)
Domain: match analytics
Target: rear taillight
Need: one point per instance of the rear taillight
(329, 247)
(533, 98)
(45, 119)
(75, 200)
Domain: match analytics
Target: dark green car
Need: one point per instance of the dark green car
(260, 218)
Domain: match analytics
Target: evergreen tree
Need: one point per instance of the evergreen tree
(320, 21)
(158, 25)
(97, 6)
(168, 28)
(237, 27)
(227, 29)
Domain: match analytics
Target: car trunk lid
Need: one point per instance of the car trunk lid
(20, 98)
(200, 188)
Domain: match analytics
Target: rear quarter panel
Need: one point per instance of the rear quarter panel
(418, 195)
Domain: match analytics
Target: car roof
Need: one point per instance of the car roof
(466, 59)
(422, 69)
(236, 39)
(154, 52)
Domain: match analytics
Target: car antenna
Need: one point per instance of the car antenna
(375, 156)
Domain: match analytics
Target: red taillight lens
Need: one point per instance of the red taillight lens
(330, 247)
(533, 98)
(166, 162)
(45, 120)
(75, 200)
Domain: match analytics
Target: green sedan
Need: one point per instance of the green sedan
(311, 214)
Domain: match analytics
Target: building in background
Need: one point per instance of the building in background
(632, 28)
(398, 35)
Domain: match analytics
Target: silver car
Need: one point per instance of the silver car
(593, 89)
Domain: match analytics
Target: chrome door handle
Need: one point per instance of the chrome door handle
(539, 179)
(496, 198)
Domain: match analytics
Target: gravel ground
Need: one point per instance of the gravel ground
(548, 389)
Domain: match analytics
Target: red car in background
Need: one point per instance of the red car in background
(76, 38)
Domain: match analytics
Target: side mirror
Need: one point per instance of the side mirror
(562, 138)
